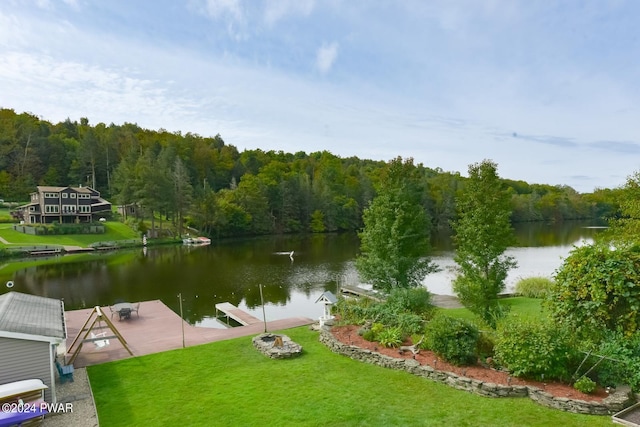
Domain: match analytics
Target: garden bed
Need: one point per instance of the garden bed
(349, 335)
(477, 379)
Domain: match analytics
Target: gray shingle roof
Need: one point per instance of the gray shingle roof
(328, 296)
(31, 314)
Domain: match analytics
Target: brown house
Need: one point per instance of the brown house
(64, 205)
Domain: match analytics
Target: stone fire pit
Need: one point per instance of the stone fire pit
(277, 346)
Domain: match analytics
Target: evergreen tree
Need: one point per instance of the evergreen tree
(482, 234)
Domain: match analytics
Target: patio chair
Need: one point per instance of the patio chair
(65, 372)
(125, 313)
(136, 306)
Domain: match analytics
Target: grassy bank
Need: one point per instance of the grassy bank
(525, 307)
(230, 383)
(114, 231)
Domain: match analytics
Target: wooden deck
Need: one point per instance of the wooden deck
(236, 314)
(157, 329)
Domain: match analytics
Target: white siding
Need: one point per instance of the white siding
(24, 360)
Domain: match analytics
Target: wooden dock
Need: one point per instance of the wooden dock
(359, 292)
(232, 312)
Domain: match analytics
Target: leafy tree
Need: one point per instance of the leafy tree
(482, 234)
(627, 227)
(395, 238)
(317, 222)
(596, 290)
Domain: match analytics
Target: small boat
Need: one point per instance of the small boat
(200, 241)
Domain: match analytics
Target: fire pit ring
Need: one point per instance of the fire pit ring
(276, 346)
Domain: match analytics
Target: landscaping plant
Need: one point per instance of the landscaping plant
(534, 287)
(537, 349)
(454, 340)
(585, 385)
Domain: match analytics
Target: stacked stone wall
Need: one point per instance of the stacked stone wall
(617, 401)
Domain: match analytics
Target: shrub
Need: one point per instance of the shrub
(353, 311)
(622, 362)
(595, 290)
(534, 349)
(485, 345)
(585, 385)
(369, 335)
(409, 323)
(390, 337)
(413, 300)
(376, 328)
(534, 287)
(454, 340)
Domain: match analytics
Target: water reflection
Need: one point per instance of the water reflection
(233, 271)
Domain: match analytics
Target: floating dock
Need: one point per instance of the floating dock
(233, 312)
(359, 292)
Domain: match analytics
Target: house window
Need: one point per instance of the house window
(51, 195)
(72, 195)
(64, 195)
(84, 209)
(84, 196)
(68, 208)
(51, 209)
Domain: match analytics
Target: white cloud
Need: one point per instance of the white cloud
(326, 56)
(218, 8)
(275, 10)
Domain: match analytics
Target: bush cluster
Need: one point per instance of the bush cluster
(404, 309)
(621, 362)
(388, 322)
(535, 349)
(454, 340)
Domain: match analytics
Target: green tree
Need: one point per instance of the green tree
(395, 238)
(627, 227)
(182, 192)
(596, 290)
(482, 234)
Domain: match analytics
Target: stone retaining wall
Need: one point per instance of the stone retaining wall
(616, 402)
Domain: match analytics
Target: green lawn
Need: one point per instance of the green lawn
(230, 383)
(525, 307)
(114, 231)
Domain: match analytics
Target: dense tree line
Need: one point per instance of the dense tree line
(188, 179)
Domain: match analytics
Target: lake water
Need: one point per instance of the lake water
(233, 272)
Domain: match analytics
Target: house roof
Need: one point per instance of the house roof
(24, 314)
(52, 189)
(327, 296)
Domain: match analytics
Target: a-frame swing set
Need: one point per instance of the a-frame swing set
(98, 317)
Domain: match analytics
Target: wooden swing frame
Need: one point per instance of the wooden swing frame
(98, 316)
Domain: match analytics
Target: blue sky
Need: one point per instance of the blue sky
(548, 90)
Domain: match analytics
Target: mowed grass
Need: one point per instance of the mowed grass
(114, 231)
(524, 307)
(230, 383)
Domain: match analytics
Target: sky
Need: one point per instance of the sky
(549, 90)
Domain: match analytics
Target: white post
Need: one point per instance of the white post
(181, 318)
(264, 316)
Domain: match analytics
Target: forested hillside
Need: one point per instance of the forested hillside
(205, 183)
